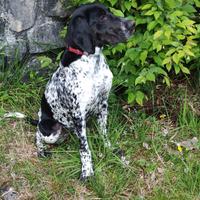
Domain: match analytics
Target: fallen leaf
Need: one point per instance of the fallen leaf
(14, 115)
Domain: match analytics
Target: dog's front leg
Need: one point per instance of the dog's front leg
(85, 153)
(40, 144)
(102, 121)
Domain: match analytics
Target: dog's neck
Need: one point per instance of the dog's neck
(98, 50)
(68, 57)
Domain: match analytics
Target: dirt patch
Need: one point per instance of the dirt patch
(149, 181)
(21, 151)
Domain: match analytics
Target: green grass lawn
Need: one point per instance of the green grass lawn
(156, 166)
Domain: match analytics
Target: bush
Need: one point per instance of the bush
(165, 43)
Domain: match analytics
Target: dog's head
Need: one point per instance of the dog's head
(93, 25)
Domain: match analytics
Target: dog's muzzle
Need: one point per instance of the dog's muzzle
(128, 27)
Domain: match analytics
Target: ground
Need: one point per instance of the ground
(160, 141)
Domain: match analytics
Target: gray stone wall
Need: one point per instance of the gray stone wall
(31, 26)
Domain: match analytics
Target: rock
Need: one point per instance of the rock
(54, 8)
(31, 26)
(190, 144)
(20, 15)
(33, 64)
(45, 36)
(15, 47)
(9, 194)
(2, 27)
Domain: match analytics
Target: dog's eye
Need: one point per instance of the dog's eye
(103, 17)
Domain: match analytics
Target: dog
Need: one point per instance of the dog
(80, 86)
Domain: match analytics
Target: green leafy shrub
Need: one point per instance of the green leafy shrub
(164, 43)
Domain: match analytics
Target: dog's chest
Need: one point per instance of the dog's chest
(94, 79)
(84, 85)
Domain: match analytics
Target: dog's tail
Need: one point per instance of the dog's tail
(31, 121)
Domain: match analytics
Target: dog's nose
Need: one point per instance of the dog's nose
(130, 25)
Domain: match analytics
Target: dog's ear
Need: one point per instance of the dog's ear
(79, 33)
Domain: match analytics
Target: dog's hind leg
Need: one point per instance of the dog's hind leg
(50, 132)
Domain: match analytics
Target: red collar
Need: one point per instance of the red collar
(76, 51)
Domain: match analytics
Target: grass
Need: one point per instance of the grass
(155, 170)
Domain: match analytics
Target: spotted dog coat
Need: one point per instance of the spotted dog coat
(81, 84)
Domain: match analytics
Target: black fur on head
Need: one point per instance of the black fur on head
(93, 25)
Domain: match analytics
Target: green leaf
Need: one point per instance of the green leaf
(188, 22)
(116, 12)
(166, 61)
(146, 6)
(191, 29)
(129, 67)
(157, 45)
(151, 25)
(168, 66)
(140, 79)
(45, 61)
(177, 13)
(59, 56)
(128, 5)
(113, 2)
(167, 81)
(197, 3)
(171, 3)
(184, 69)
(159, 70)
(141, 20)
(139, 97)
(134, 4)
(157, 14)
(188, 51)
(177, 69)
(150, 77)
(143, 56)
(168, 33)
(189, 8)
(181, 25)
(180, 54)
(157, 34)
(150, 12)
(158, 60)
(132, 53)
(63, 32)
(170, 52)
(180, 37)
(175, 44)
(119, 48)
(131, 97)
(175, 58)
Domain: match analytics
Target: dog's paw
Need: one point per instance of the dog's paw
(44, 154)
(121, 154)
(86, 174)
(83, 178)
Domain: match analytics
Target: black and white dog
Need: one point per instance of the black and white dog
(80, 86)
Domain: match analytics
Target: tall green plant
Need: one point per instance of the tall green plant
(164, 43)
(11, 70)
